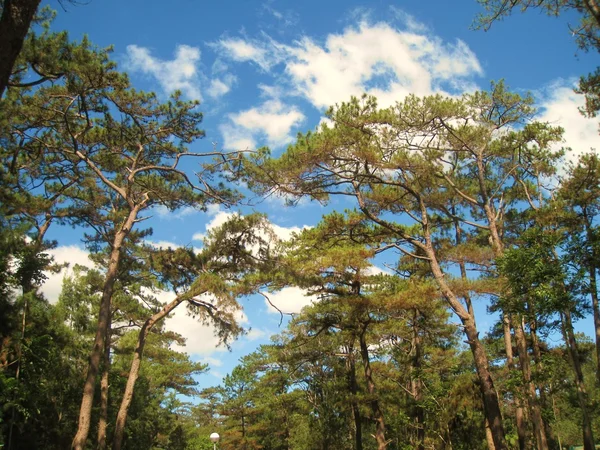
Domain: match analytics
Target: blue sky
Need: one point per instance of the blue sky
(265, 70)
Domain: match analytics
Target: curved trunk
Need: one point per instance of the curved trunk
(103, 421)
(539, 428)
(87, 399)
(134, 370)
(569, 336)
(510, 363)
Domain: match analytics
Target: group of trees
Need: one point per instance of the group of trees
(459, 197)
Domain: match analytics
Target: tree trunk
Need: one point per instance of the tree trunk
(134, 371)
(374, 402)
(353, 387)
(510, 363)
(416, 387)
(103, 421)
(569, 336)
(488, 435)
(488, 391)
(87, 399)
(14, 25)
(592, 261)
(491, 405)
(532, 399)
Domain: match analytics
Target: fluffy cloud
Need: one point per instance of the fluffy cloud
(412, 60)
(219, 87)
(356, 61)
(180, 73)
(559, 105)
(65, 254)
(265, 53)
(270, 123)
(283, 233)
(200, 339)
(289, 300)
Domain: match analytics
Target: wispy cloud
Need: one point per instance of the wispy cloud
(180, 73)
(270, 124)
(412, 60)
(559, 106)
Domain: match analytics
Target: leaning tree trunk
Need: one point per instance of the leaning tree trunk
(510, 364)
(416, 388)
(103, 421)
(592, 262)
(539, 428)
(87, 399)
(134, 371)
(14, 25)
(374, 402)
(569, 336)
(491, 405)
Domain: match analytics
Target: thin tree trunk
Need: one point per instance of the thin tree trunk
(539, 428)
(415, 384)
(569, 336)
(491, 405)
(488, 435)
(592, 261)
(134, 370)
(87, 399)
(103, 421)
(353, 387)
(488, 391)
(374, 402)
(14, 25)
(510, 363)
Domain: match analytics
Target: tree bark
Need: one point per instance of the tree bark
(510, 364)
(134, 370)
(592, 261)
(103, 421)
(87, 399)
(569, 336)
(416, 385)
(539, 428)
(353, 387)
(486, 383)
(14, 24)
(374, 402)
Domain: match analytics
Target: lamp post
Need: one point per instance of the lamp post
(215, 438)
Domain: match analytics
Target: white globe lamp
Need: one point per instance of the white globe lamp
(215, 438)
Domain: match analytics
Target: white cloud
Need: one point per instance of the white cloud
(213, 362)
(180, 73)
(164, 213)
(200, 338)
(236, 138)
(375, 58)
(282, 233)
(220, 87)
(271, 122)
(356, 61)
(560, 106)
(243, 50)
(289, 300)
(219, 218)
(71, 254)
(255, 334)
(163, 245)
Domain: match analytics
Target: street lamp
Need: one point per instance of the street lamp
(215, 438)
